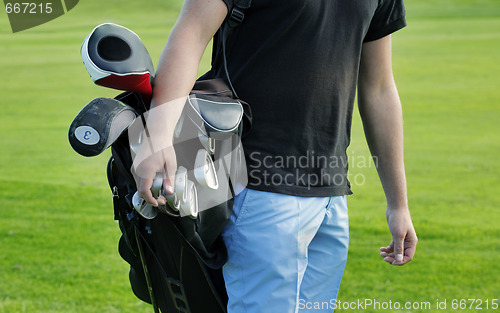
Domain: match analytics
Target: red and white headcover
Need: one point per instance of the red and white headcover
(115, 57)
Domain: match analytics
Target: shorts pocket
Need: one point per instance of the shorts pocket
(244, 202)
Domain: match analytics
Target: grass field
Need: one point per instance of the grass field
(58, 240)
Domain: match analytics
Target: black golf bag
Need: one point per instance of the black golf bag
(175, 261)
(175, 257)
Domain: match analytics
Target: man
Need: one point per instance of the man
(297, 63)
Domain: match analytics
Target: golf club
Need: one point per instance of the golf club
(207, 142)
(147, 210)
(98, 125)
(181, 183)
(204, 170)
(190, 206)
(115, 57)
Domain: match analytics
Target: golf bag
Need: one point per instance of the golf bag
(176, 261)
(175, 251)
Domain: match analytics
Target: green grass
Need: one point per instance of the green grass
(58, 240)
(446, 63)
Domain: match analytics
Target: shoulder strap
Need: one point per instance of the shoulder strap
(237, 13)
(234, 18)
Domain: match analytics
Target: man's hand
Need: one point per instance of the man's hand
(155, 154)
(404, 239)
(163, 162)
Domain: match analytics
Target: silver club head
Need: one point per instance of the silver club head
(204, 170)
(173, 201)
(190, 206)
(145, 209)
(207, 142)
(181, 184)
(173, 204)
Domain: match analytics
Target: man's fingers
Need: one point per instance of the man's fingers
(399, 250)
(170, 169)
(394, 253)
(387, 253)
(389, 248)
(161, 200)
(161, 162)
(169, 181)
(144, 190)
(387, 257)
(410, 252)
(410, 245)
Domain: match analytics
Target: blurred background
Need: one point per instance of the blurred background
(58, 240)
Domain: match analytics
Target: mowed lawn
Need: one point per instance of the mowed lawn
(58, 240)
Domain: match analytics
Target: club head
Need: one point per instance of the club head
(115, 57)
(98, 125)
(173, 201)
(157, 185)
(204, 170)
(173, 204)
(145, 209)
(189, 207)
(180, 187)
(207, 142)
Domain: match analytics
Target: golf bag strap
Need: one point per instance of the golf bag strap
(121, 166)
(233, 20)
(237, 13)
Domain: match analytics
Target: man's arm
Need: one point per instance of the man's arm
(177, 71)
(380, 110)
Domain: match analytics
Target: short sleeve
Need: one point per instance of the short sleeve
(388, 18)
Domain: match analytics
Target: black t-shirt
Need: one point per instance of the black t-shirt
(296, 63)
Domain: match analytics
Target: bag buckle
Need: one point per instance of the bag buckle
(236, 18)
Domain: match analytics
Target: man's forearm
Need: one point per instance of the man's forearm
(178, 65)
(382, 116)
(176, 73)
(383, 123)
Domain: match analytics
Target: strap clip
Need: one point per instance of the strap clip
(237, 16)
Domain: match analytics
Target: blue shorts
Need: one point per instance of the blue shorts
(287, 254)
